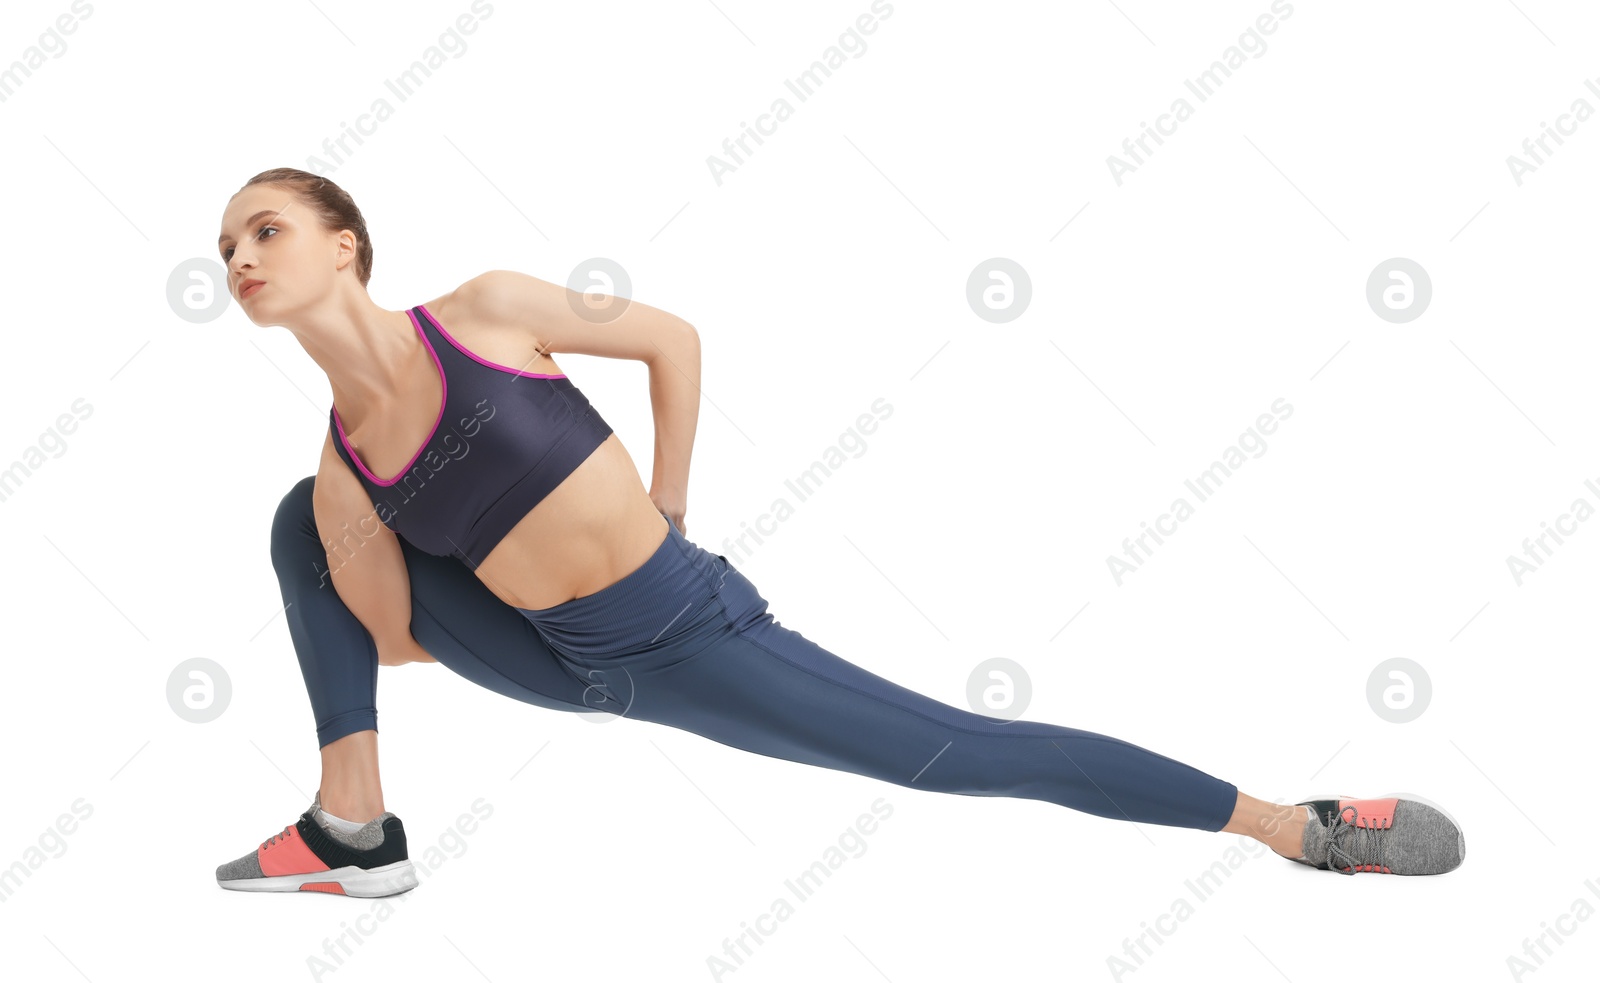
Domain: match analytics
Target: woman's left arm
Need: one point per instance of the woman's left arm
(561, 320)
(675, 403)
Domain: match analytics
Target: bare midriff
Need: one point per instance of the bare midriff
(594, 528)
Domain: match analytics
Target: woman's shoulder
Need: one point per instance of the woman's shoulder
(470, 299)
(473, 318)
(449, 304)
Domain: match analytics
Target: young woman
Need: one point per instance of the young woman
(471, 507)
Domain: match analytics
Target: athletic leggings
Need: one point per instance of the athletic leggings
(686, 641)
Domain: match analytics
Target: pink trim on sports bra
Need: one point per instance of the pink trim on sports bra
(444, 399)
(483, 361)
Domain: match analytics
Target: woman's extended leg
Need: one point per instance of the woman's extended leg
(454, 617)
(687, 641)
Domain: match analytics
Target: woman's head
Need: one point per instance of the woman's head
(296, 232)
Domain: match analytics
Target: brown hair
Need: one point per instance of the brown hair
(331, 204)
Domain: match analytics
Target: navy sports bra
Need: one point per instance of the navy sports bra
(503, 440)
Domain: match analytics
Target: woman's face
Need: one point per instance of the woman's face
(270, 236)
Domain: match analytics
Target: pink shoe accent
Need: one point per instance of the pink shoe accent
(287, 853)
(1369, 813)
(330, 887)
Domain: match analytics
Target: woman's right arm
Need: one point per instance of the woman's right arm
(364, 559)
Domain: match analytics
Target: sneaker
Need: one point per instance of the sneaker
(1395, 834)
(368, 863)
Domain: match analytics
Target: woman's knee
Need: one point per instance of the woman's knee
(294, 527)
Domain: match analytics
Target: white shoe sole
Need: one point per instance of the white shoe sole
(379, 882)
(1461, 836)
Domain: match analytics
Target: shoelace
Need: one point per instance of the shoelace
(1355, 846)
(284, 834)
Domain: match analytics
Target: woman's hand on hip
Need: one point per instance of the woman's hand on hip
(672, 503)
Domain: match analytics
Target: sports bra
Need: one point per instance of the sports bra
(503, 440)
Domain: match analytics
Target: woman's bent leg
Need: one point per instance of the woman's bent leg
(454, 617)
(337, 656)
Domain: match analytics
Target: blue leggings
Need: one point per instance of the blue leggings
(686, 641)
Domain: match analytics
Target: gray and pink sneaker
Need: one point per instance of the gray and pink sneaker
(1395, 834)
(307, 856)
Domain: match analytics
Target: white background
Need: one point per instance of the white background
(827, 271)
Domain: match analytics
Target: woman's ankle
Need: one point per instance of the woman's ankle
(355, 807)
(1280, 826)
(1286, 832)
(350, 785)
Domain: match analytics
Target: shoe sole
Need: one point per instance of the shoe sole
(357, 882)
(1461, 835)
